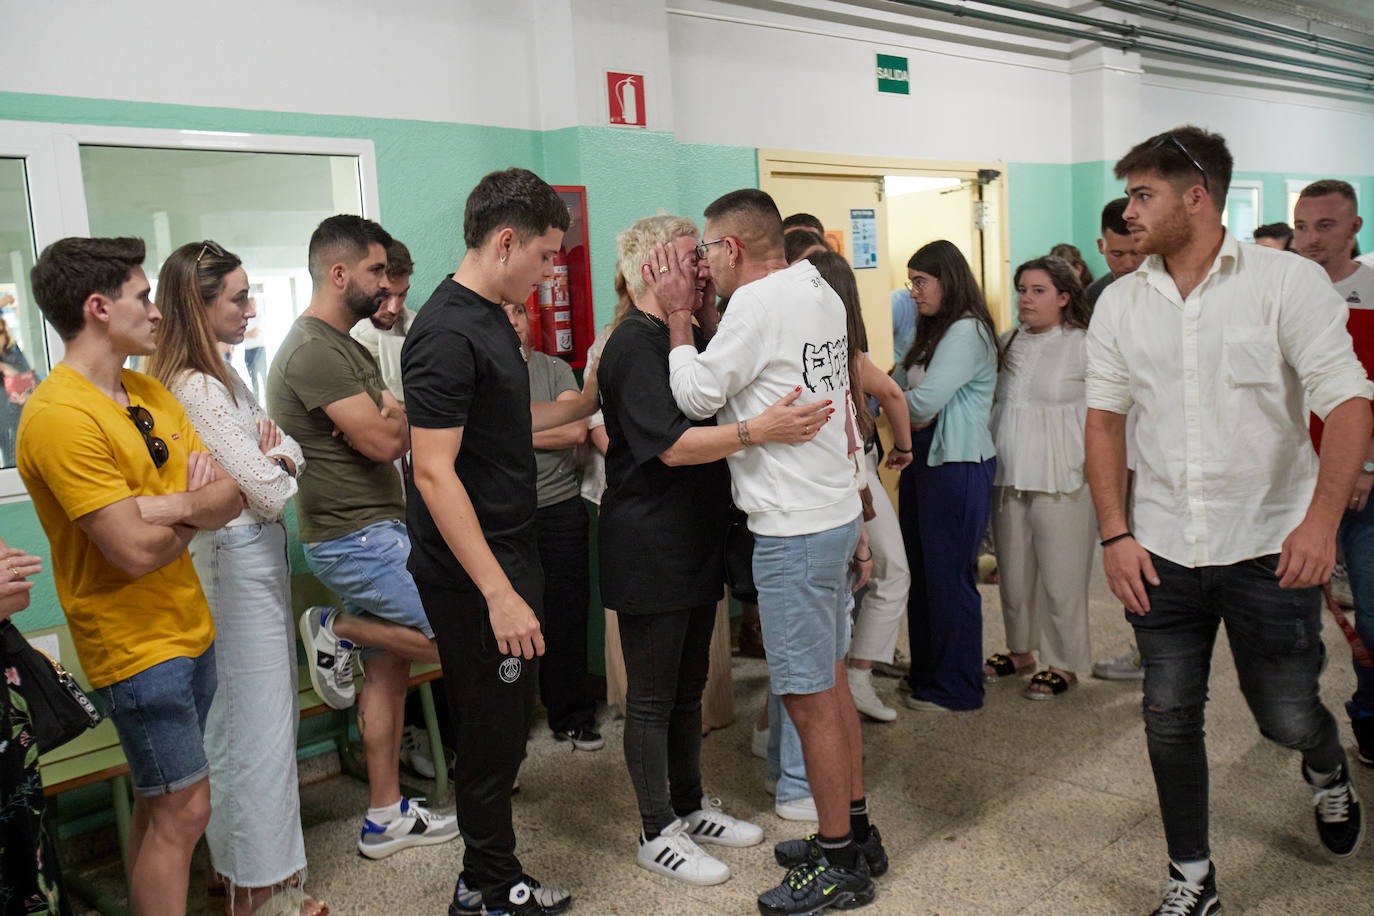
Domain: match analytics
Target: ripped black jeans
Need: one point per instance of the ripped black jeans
(1275, 636)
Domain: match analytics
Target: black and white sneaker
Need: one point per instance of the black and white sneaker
(525, 899)
(467, 900)
(1183, 898)
(1340, 821)
(791, 853)
(709, 824)
(584, 738)
(331, 658)
(816, 884)
(673, 855)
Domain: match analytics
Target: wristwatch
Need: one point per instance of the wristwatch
(282, 462)
(1367, 467)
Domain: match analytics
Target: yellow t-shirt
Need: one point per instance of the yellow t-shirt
(79, 451)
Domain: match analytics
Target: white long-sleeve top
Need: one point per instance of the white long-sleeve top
(229, 431)
(782, 331)
(1039, 410)
(1223, 381)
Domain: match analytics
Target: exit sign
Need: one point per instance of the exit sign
(893, 75)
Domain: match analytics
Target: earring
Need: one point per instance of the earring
(503, 259)
(732, 264)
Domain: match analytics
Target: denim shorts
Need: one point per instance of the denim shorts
(803, 585)
(159, 715)
(367, 570)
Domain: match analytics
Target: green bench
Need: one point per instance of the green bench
(96, 757)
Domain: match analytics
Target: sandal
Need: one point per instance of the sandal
(1056, 682)
(1002, 666)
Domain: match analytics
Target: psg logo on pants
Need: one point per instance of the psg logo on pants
(510, 670)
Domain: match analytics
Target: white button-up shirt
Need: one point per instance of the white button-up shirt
(1226, 469)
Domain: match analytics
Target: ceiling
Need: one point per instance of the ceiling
(1352, 15)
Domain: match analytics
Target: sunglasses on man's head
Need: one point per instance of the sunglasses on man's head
(157, 449)
(1169, 140)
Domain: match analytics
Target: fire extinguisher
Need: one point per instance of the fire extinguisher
(555, 307)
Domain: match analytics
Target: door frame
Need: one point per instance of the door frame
(995, 247)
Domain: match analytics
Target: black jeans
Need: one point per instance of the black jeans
(491, 699)
(562, 533)
(1275, 637)
(666, 661)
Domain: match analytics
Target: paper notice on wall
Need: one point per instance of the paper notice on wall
(863, 231)
(836, 239)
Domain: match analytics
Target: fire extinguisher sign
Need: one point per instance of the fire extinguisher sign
(625, 97)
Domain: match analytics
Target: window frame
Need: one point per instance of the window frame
(57, 194)
(1247, 185)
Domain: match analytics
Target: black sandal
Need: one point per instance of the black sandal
(1056, 682)
(1002, 666)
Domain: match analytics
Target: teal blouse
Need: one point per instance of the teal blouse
(958, 386)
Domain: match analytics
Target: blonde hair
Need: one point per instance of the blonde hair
(622, 299)
(189, 281)
(633, 245)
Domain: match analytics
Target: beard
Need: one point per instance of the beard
(1170, 234)
(360, 304)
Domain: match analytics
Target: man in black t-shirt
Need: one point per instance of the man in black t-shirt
(470, 511)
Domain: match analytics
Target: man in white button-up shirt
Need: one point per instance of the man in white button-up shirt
(1222, 347)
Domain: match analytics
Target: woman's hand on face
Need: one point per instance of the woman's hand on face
(787, 422)
(671, 279)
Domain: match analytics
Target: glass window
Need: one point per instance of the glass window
(261, 206)
(22, 341)
(1242, 211)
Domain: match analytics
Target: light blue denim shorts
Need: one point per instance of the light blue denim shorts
(159, 714)
(803, 585)
(367, 569)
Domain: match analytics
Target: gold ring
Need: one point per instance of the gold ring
(663, 269)
(14, 574)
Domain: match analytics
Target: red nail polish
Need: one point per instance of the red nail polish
(798, 388)
(829, 402)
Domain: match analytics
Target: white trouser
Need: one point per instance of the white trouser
(884, 603)
(1044, 547)
(254, 832)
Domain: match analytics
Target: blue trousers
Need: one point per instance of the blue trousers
(943, 511)
(1357, 541)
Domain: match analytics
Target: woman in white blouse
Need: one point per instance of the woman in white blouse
(254, 834)
(1043, 524)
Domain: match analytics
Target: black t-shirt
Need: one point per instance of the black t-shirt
(461, 366)
(661, 528)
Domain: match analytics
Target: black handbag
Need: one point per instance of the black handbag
(58, 707)
(739, 558)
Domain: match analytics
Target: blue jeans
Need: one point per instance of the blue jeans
(367, 570)
(159, 714)
(1275, 637)
(1357, 541)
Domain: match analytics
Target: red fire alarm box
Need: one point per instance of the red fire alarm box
(562, 322)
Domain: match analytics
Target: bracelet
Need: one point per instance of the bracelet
(742, 431)
(860, 559)
(1119, 537)
(904, 451)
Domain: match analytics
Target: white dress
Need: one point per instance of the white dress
(1039, 410)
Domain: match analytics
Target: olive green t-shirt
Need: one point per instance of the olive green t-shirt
(341, 490)
(557, 481)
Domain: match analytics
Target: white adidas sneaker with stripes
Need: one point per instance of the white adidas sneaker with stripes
(673, 855)
(709, 824)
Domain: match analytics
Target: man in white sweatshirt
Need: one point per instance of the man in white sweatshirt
(785, 330)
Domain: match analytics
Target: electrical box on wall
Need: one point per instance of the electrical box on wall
(562, 323)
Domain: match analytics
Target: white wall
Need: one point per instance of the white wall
(438, 60)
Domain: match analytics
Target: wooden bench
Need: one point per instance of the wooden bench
(96, 757)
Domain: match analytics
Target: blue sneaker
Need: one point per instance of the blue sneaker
(416, 826)
(331, 658)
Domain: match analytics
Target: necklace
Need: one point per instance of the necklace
(654, 319)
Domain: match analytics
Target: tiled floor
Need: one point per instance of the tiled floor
(1020, 808)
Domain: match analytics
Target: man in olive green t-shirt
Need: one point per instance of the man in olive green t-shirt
(325, 390)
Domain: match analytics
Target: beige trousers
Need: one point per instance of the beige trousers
(1044, 545)
(717, 700)
(884, 604)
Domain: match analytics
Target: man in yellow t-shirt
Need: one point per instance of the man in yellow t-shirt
(120, 483)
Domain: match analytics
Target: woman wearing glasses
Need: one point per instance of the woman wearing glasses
(949, 375)
(1043, 523)
(254, 835)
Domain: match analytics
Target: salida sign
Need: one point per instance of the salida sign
(893, 75)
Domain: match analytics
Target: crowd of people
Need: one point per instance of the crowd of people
(1159, 413)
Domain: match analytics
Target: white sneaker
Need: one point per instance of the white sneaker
(866, 698)
(415, 751)
(1125, 667)
(758, 745)
(673, 855)
(709, 824)
(798, 809)
(330, 659)
(416, 826)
